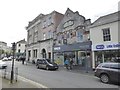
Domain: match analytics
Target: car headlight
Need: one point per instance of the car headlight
(50, 64)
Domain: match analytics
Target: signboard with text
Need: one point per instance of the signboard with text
(109, 46)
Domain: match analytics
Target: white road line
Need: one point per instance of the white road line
(32, 82)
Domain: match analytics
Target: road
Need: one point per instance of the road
(60, 78)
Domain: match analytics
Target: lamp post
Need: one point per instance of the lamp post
(12, 71)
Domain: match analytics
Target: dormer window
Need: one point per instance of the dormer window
(68, 14)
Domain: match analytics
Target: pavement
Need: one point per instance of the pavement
(20, 83)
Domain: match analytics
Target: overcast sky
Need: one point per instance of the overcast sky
(15, 14)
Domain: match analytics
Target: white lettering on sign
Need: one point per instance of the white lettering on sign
(56, 48)
(108, 46)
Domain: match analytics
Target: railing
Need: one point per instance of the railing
(6, 74)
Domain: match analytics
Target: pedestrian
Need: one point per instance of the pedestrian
(23, 60)
(66, 64)
(71, 63)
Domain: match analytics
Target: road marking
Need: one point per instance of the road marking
(32, 82)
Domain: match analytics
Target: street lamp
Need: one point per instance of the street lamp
(12, 71)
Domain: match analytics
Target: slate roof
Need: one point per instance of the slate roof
(22, 41)
(113, 17)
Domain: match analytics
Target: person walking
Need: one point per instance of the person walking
(66, 64)
(71, 63)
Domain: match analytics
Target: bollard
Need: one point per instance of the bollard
(16, 74)
(5, 73)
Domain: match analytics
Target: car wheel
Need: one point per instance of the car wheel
(104, 78)
(47, 68)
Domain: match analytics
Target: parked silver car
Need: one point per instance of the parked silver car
(108, 72)
(3, 65)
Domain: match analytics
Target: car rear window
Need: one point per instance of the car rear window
(115, 66)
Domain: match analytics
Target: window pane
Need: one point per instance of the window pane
(106, 34)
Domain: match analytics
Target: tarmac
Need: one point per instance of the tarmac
(26, 83)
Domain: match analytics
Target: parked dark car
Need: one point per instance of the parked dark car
(108, 72)
(46, 64)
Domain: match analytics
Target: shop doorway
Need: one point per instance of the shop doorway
(43, 53)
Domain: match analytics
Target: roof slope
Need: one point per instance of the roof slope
(107, 19)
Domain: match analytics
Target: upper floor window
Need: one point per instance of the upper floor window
(106, 34)
(19, 45)
(44, 24)
(79, 36)
(50, 34)
(18, 50)
(44, 36)
(68, 23)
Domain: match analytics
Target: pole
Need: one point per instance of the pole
(86, 59)
(12, 71)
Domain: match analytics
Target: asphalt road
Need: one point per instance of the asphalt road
(60, 78)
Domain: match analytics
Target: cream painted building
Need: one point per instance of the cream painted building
(20, 47)
(40, 36)
(104, 34)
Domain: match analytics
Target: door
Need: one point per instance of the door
(115, 72)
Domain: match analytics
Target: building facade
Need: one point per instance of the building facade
(20, 47)
(4, 49)
(40, 36)
(104, 34)
(72, 39)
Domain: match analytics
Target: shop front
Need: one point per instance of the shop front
(109, 52)
(77, 51)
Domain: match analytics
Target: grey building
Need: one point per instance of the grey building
(40, 36)
(72, 39)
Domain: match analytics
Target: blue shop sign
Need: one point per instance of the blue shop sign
(107, 46)
(113, 45)
(100, 46)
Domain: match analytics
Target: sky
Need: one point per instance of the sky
(15, 14)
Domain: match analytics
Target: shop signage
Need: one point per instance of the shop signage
(56, 48)
(100, 46)
(109, 46)
(113, 45)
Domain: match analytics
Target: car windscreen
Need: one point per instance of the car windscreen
(48, 61)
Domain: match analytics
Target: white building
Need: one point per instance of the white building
(4, 49)
(104, 34)
(20, 47)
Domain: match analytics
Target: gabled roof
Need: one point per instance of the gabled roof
(70, 15)
(113, 17)
(22, 41)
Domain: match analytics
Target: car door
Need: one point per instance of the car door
(44, 64)
(115, 72)
(40, 63)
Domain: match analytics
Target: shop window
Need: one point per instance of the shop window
(106, 34)
(35, 53)
(29, 53)
(49, 55)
